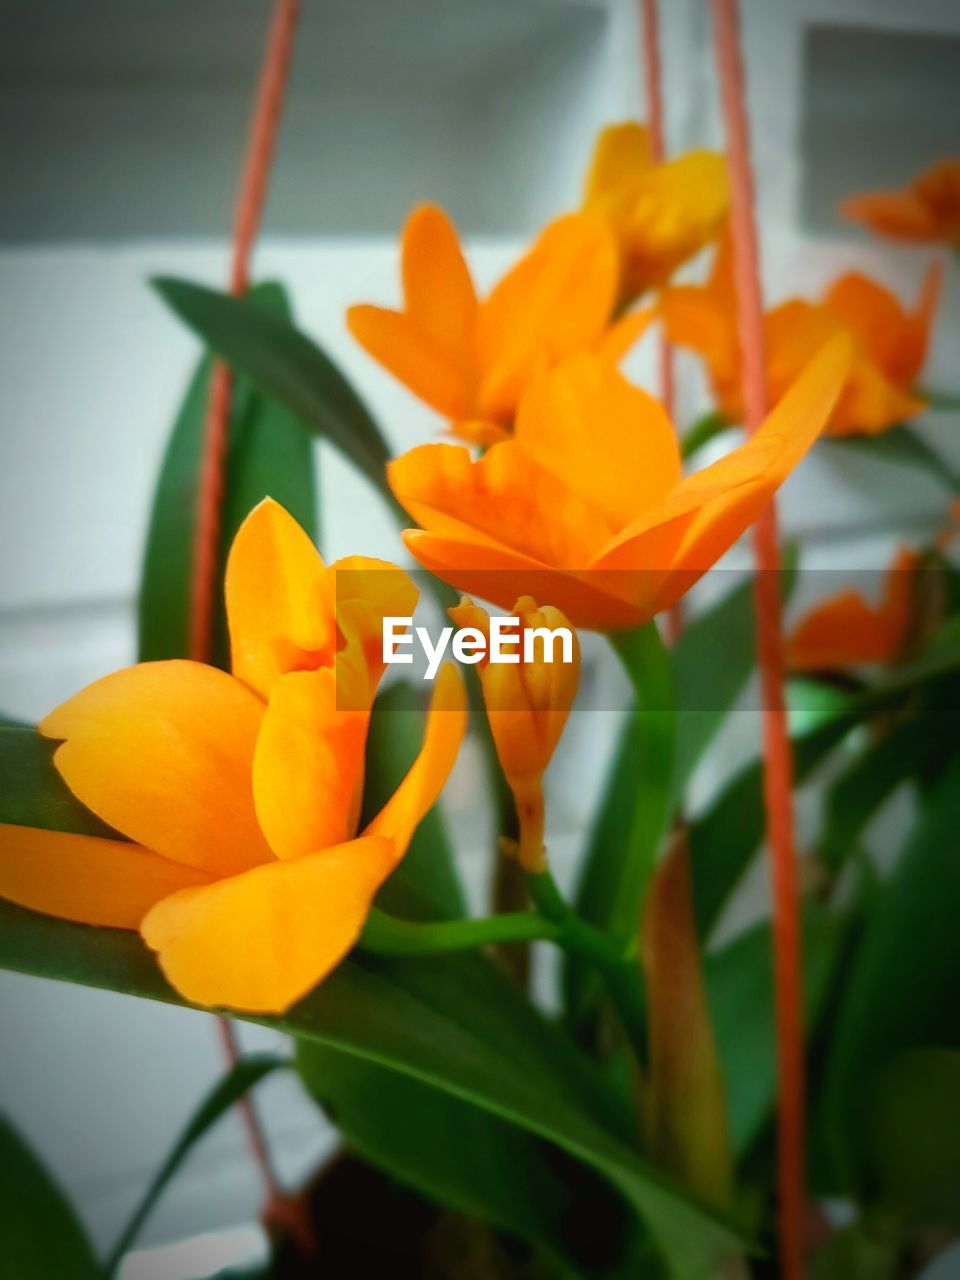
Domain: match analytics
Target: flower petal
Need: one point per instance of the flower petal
(260, 941)
(279, 599)
(501, 500)
(85, 878)
(898, 214)
(438, 292)
(709, 510)
(622, 153)
(556, 301)
(593, 600)
(414, 358)
(308, 764)
(840, 632)
(675, 210)
(163, 752)
(602, 438)
(418, 792)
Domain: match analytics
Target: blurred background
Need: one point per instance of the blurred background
(122, 125)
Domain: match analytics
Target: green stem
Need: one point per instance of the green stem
(615, 964)
(386, 935)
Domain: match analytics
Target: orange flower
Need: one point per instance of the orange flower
(586, 505)
(927, 210)
(527, 706)
(240, 794)
(470, 359)
(889, 342)
(847, 630)
(661, 214)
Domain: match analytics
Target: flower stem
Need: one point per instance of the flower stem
(616, 965)
(386, 935)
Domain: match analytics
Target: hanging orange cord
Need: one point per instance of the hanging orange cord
(206, 550)
(778, 765)
(653, 91)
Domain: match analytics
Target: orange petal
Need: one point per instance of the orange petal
(503, 500)
(757, 468)
(840, 632)
(675, 210)
(367, 591)
(260, 941)
(279, 599)
(87, 879)
(622, 153)
(556, 301)
(414, 358)
(163, 752)
(308, 765)
(418, 792)
(438, 292)
(592, 600)
(898, 214)
(602, 438)
(709, 510)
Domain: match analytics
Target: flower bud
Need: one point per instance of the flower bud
(528, 698)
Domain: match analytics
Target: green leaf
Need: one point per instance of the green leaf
(902, 446)
(853, 1254)
(458, 1155)
(42, 1238)
(712, 661)
(32, 793)
(425, 885)
(909, 1136)
(725, 838)
(861, 789)
(282, 362)
(269, 453)
(455, 1023)
(739, 979)
(633, 814)
(243, 1076)
(903, 991)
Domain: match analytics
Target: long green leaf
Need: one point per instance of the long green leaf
(40, 1235)
(285, 364)
(458, 1155)
(726, 837)
(909, 1136)
(901, 445)
(903, 991)
(456, 1023)
(633, 815)
(32, 794)
(269, 453)
(739, 979)
(243, 1076)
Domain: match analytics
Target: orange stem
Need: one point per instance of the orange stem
(778, 764)
(206, 551)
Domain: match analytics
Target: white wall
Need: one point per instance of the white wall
(92, 367)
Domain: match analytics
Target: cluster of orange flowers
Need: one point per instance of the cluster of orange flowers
(239, 794)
